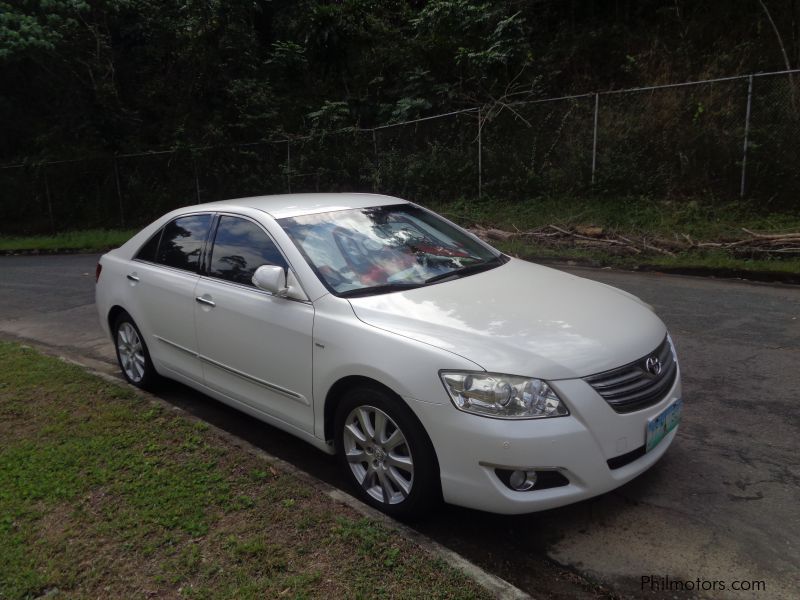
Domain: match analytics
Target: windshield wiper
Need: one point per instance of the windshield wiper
(467, 270)
(380, 289)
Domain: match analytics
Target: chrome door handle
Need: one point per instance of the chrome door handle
(132, 277)
(205, 301)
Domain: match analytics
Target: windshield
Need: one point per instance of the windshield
(362, 251)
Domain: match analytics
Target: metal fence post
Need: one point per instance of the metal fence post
(594, 137)
(288, 166)
(119, 194)
(196, 179)
(480, 154)
(47, 197)
(746, 133)
(376, 164)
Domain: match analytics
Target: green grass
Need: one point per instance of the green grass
(90, 240)
(103, 494)
(711, 260)
(702, 221)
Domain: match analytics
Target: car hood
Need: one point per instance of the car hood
(522, 319)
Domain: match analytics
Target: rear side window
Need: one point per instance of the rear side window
(182, 242)
(149, 250)
(240, 247)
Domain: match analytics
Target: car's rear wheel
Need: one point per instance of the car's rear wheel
(385, 453)
(132, 355)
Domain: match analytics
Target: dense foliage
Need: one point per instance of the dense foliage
(101, 76)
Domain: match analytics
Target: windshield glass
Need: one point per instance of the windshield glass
(362, 251)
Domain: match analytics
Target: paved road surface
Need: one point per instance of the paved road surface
(721, 506)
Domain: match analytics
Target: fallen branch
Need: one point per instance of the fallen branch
(586, 237)
(783, 244)
(631, 245)
(656, 248)
(771, 236)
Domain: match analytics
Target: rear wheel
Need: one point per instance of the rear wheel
(132, 355)
(385, 453)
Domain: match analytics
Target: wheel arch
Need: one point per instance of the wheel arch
(337, 392)
(113, 314)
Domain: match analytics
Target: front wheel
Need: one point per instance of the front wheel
(132, 354)
(385, 453)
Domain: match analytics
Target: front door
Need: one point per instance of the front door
(255, 347)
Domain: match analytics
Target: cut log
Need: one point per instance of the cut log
(589, 230)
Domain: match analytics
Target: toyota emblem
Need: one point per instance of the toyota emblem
(653, 365)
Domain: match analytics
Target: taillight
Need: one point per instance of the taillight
(97, 270)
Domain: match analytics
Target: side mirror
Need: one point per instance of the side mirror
(271, 278)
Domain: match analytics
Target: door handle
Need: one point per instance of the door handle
(132, 277)
(205, 301)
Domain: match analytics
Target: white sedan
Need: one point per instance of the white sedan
(433, 365)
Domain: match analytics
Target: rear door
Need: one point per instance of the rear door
(255, 347)
(163, 276)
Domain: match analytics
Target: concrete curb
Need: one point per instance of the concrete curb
(496, 586)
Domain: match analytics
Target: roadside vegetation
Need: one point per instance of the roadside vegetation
(105, 494)
(90, 240)
(662, 234)
(196, 74)
(183, 101)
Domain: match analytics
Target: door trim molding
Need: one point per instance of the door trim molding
(270, 386)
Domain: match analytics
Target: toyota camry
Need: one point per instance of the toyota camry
(433, 365)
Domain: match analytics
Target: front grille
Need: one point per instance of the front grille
(633, 387)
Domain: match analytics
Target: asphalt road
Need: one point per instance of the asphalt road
(722, 505)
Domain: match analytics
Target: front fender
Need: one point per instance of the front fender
(344, 346)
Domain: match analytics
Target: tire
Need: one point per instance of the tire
(385, 453)
(132, 354)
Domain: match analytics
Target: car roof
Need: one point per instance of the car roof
(292, 205)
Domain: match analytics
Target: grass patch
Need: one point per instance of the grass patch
(104, 495)
(703, 221)
(89, 240)
(715, 260)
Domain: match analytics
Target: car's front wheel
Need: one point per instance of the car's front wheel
(385, 453)
(132, 354)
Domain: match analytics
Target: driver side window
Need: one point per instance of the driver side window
(240, 247)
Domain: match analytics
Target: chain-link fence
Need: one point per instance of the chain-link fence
(736, 137)
(537, 148)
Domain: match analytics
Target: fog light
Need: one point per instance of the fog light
(530, 479)
(522, 481)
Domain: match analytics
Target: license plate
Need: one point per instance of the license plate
(664, 422)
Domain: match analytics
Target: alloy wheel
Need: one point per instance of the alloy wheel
(131, 352)
(378, 454)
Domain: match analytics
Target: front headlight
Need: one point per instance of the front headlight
(502, 396)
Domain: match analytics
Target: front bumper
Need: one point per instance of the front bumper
(469, 447)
